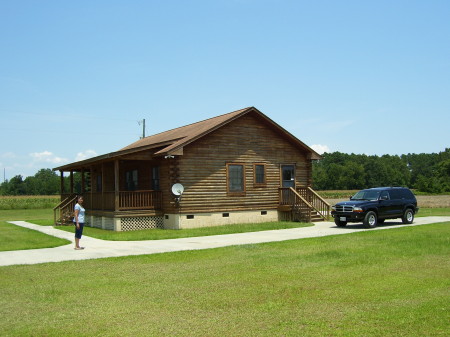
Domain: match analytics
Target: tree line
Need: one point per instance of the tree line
(44, 182)
(335, 171)
(423, 172)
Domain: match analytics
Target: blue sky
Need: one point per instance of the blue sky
(367, 77)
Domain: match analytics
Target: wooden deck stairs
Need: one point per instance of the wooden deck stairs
(303, 205)
(63, 212)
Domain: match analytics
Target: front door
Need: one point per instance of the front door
(288, 176)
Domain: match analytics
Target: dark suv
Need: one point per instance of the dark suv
(374, 205)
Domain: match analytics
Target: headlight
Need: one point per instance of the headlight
(333, 208)
(358, 209)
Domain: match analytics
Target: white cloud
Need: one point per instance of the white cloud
(85, 155)
(320, 149)
(47, 157)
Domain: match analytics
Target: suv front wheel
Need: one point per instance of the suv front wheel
(370, 220)
(408, 216)
(340, 223)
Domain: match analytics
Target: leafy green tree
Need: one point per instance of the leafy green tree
(15, 186)
(44, 182)
(351, 176)
(426, 172)
(443, 171)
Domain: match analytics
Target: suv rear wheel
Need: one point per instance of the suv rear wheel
(370, 220)
(408, 216)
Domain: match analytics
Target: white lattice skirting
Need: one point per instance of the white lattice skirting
(144, 222)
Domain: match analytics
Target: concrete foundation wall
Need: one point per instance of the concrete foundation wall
(197, 220)
(181, 221)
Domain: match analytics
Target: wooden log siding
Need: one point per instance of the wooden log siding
(246, 141)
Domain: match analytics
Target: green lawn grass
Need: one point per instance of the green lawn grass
(13, 237)
(162, 234)
(27, 215)
(376, 283)
(442, 211)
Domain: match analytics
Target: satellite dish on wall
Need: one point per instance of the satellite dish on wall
(177, 189)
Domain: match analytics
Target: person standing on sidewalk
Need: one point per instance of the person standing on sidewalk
(78, 220)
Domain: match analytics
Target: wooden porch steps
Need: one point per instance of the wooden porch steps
(303, 214)
(63, 212)
(303, 205)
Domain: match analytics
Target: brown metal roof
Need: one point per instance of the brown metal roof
(172, 141)
(184, 135)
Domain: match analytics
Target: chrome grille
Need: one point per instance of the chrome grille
(344, 208)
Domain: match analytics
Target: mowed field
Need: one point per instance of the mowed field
(377, 283)
(374, 283)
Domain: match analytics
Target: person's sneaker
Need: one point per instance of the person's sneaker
(79, 248)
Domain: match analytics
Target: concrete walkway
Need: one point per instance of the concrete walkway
(96, 248)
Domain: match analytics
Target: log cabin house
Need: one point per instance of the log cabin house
(235, 168)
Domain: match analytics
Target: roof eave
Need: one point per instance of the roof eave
(108, 156)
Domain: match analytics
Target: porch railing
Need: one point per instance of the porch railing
(140, 200)
(128, 200)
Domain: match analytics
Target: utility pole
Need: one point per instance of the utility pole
(143, 127)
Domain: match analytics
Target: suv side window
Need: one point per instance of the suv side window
(396, 194)
(407, 194)
(384, 195)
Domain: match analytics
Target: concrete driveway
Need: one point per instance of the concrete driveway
(96, 249)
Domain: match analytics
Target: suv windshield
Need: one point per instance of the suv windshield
(366, 195)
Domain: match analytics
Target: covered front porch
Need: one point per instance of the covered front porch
(116, 189)
(120, 200)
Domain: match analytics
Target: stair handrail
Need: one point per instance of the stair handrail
(303, 200)
(67, 201)
(326, 204)
(63, 204)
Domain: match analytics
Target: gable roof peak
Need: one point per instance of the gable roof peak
(173, 141)
(188, 132)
